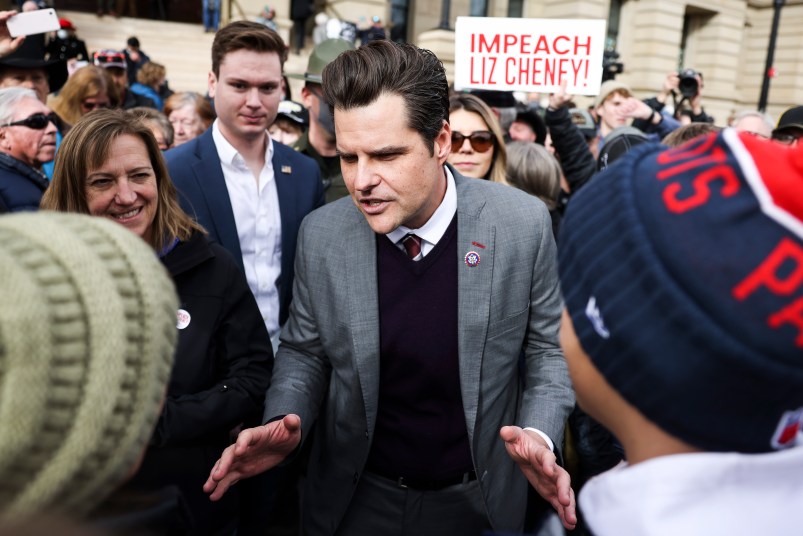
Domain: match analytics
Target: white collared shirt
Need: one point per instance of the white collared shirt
(432, 231)
(255, 205)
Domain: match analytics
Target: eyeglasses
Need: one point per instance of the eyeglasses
(89, 105)
(787, 138)
(35, 121)
(480, 140)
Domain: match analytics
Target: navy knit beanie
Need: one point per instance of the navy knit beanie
(682, 271)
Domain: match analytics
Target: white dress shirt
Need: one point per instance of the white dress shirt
(255, 204)
(432, 231)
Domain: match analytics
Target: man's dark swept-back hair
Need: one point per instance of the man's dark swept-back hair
(245, 35)
(359, 77)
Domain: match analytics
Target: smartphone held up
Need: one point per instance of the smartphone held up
(33, 22)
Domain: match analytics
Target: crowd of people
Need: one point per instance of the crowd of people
(400, 309)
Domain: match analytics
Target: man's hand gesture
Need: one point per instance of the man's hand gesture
(537, 462)
(560, 98)
(255, 451)
(635, 108)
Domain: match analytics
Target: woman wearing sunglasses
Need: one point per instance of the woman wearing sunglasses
(478, 148)
(27, 140)
(109, 165)
(89, 88)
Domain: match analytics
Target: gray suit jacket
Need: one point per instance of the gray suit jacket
(327, 368)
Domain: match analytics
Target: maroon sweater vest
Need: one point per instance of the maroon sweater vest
(421, 428)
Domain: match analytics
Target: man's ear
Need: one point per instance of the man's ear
(211, 84)
(443, 142)
(306, 97)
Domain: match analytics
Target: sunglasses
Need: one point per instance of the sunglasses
(480, 140)
(35, 121)
(89, 106)
(787, 138)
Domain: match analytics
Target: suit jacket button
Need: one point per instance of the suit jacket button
(356, 477)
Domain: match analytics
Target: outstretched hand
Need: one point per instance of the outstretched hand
(538, 463)
(255, 451)
(8, 44)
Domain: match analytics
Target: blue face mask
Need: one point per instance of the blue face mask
(325, 118)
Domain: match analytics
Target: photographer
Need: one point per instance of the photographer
(687, 83)
(615, 106)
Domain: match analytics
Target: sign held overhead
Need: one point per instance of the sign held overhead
(534, 55)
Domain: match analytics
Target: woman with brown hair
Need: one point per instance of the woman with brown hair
(478, 146)
(190, 114)
(109, 165)
(89, 88)
(150, 78)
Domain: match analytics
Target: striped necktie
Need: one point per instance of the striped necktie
(412, 245)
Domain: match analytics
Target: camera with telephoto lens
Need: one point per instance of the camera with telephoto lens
(688, 85)
(611, 66)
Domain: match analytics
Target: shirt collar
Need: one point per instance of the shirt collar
(436, 226)
(227, 152)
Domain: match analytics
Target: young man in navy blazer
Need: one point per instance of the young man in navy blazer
(248, 191)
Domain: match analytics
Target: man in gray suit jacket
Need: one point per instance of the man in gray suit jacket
(413, 302)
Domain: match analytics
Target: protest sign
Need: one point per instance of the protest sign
(529, 54)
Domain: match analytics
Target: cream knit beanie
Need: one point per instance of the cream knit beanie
(87, 334)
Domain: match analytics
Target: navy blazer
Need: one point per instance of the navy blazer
(196, 172)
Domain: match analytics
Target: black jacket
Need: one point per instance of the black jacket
(221, 372)
(21, 186)
(578, 164)
(300, 9)
(65, 49)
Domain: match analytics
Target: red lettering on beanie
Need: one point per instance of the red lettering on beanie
(791, 314)
(717, 156)
(788, 434)
(788, 430)
(702, 191)
(767, 272)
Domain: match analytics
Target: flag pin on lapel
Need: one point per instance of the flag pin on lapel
(287, 169)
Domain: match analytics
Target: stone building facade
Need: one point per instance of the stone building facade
(726, 40)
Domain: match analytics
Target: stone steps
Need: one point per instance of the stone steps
(184, 49)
